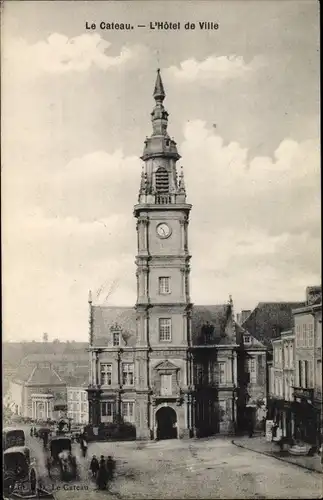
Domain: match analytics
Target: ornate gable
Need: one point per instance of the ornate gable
(166, 366)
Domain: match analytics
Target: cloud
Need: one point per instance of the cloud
(213, 69)
(255, 229)
(60, 55)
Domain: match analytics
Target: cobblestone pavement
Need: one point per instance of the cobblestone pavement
(206, 468)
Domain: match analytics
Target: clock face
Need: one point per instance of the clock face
(163, 230)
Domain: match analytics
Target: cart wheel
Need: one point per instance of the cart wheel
(33, 481)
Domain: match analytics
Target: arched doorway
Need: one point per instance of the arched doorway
(166, 420)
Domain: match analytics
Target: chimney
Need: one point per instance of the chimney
(244, 315)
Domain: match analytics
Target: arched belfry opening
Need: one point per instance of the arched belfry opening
(166, 420)
(162, 180)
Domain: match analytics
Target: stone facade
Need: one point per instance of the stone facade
(166, 367)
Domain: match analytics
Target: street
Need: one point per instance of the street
(206, 468)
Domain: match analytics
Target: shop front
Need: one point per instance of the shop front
(306, 417)
(280, 412)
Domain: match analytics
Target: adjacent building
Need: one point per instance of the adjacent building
(269, 319)
(308, 367)
(164, 366)
(77, 400)
(37, 392)
(296, 373)
(281, 390)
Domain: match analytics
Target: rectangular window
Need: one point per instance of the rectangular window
(300, 374)
(310, 335)
(164, 285)
(107, 409)
(252, 369)
(166, 385)
(222, 377)
(291, 356)
(127, 373)
(286, 357)
(116, 338)
(306, 373)
(165, 329)
(127, 409)
(247, 339)
(106, 374)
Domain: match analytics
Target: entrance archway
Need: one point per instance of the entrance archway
(166, 420)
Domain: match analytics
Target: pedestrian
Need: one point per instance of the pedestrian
(31, 432)
(110, 467)
(84, 447)
(45, 440)
(264, 425)
(94, 466)
(48, 465)
(102, 474)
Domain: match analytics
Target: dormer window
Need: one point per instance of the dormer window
(247, 339)
(162, 180)
(116, 339)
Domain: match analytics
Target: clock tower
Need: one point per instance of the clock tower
(163, 306)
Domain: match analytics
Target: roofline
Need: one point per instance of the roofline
(307, 308)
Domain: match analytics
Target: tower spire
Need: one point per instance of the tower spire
(159, 92)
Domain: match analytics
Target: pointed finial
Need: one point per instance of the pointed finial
(159, 92)
(90, 297)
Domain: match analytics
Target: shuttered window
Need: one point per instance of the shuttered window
(162, 180)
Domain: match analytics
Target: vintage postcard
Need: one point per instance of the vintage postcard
(161, 248)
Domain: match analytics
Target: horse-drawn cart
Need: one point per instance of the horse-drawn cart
(61, 461)
(19, 474)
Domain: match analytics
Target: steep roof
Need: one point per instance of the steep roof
(214, 317)
(38, 375)
(269, 319)
(104, 317)
(253, 343)
(23, 373)
(44, 375)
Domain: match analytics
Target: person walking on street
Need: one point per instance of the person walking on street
(48, 465)
(84, 447)
(94, 466)
(110, 467)
(102, 474)
(31, 432)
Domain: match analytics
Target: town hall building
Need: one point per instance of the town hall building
(170, 368)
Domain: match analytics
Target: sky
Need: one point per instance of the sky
(243, 103)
